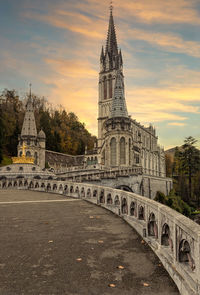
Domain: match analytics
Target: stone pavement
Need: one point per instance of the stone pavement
(72, 247)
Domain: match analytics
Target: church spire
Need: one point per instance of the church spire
(111, 43)
(118, 103)
(29, 126)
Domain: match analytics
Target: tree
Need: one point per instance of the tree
(190, 161)
(1, 135)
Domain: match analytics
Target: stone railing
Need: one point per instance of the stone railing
(174, 238)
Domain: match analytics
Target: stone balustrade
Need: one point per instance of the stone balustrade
(174, 238)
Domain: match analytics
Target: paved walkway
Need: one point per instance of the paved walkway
(56, 245)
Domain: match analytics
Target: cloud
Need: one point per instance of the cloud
(169, 42)
(179, 124)
(159, 11)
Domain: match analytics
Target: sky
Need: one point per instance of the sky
(56, 46)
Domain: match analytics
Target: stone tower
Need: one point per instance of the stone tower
(35, 143)
(110, 64)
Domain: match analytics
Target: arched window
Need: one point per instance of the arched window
(36, 158)
(129, 151)
(152, 226)
(124, 206)
(185, 254)
(132, 209)
(113, 147)
(105, 87)
(28, 154)
(165, 235)
(122, 151)
(110, 86)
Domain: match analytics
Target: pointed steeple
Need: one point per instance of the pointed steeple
(102, 55)
(119, 104)
(111, 44)
(29, 126)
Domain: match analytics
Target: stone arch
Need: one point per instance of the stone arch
(184, 254)
(77, 191)
(36, 185)
(124, 188)
(48, 187)
(30, 184)
(71, 189)
(95, 193)
(152, 226)
(88, 193)
(102, 197)
(165, 235)
(83, 192)
(133, 209)
(43, 185)
(65, 189)
(122, 147)
(54, 187)
(113, 152)
(26, 183)
(20, 183)
(124, 206)
(4, 184)
(109, 199)
(28, 154)
(9, 184)
(117, 202)
(141, 214)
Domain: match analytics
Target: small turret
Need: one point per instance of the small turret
(41, 135)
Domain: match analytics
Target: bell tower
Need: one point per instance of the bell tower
(111, 63)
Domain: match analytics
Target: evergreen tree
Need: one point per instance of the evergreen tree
(190, 161)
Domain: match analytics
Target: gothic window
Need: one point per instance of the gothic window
(110, 86)
(36, 158)
(122, 151)
(113, 148)
(129, 153)
(28, 154)
(105, 87)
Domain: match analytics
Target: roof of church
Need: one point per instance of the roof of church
(119, 108)
(29, 126)
(111, 44)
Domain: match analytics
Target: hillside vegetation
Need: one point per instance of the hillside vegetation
(183, 166)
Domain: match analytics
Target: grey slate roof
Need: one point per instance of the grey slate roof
(118, 103)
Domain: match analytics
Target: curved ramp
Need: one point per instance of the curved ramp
(58, 245)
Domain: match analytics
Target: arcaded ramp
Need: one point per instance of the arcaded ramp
(57, 245)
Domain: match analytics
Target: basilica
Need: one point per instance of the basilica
(122, 141)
